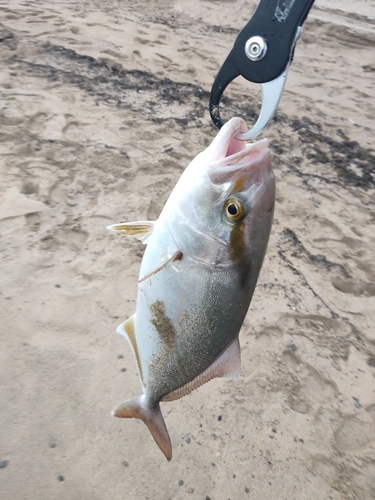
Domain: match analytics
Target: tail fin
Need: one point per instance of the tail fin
(152, 417)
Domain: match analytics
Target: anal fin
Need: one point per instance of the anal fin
(228, 364)
(151, 416)
(126, 329)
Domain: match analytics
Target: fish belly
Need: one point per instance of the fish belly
(187, 315)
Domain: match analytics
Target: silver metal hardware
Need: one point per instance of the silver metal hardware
(255, 48)
(271, 94)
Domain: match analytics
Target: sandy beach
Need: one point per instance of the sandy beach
(103, 104)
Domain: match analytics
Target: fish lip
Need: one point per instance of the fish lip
(247, 153)
(229, 151)
(224, 142)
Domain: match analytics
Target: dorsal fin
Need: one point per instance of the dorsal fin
(126, 329)
(140, 229)
(228, 364)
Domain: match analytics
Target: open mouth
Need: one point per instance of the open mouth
(227, 150)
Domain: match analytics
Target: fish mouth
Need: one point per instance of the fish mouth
(228, 151)
(229, 156)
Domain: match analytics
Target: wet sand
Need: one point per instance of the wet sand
(103, 104)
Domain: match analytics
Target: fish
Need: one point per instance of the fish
(198, 273)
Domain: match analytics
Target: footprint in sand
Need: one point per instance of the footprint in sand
(72, 237)
(29, 188)
(356, 432)
(59, 191)
(366, 289)
(314, 391)
(363, 281)
(70, 127)
(36, 122)
(325, 332)
(33, 221)
(359, 277)
(268, 334)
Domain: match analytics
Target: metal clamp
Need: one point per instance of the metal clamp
(262, 54)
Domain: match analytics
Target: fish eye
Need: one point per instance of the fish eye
(233, 209)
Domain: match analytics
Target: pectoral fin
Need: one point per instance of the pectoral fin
(176, 256)
(140, 229)
(151, 416)
(228, 364)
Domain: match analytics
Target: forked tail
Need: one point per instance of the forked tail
(152, 417)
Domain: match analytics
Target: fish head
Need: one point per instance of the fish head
(226, 201)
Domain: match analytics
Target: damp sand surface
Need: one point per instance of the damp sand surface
(103, 104)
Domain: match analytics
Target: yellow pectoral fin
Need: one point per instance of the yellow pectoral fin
(126, 329)
(141, 229)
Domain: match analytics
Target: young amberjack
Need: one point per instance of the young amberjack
(198, 274)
